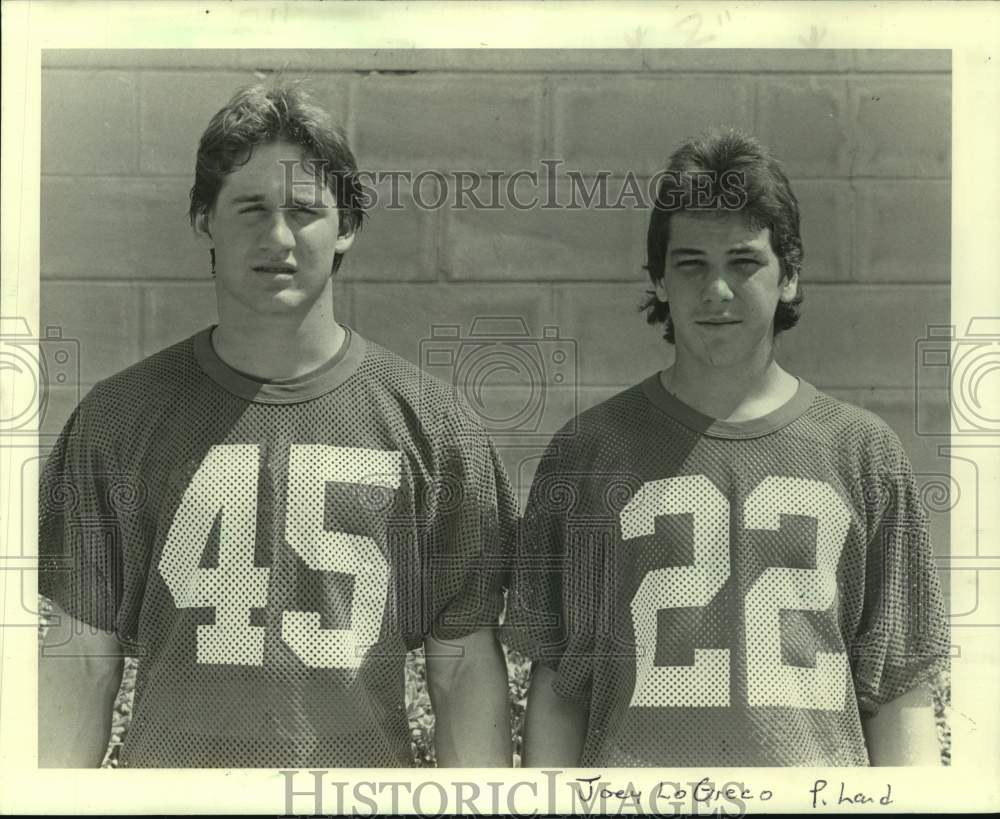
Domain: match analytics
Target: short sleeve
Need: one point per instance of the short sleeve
(466, 544)
(556, 581)
(903, 637)
(79, 543)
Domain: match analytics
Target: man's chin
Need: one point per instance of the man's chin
(717, 353)
(277, 303)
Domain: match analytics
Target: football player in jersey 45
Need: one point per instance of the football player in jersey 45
(271, 513)
(723, 566)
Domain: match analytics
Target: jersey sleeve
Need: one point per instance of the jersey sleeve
(470, 530)
(903, 637)
(79, 547)
(556, 581)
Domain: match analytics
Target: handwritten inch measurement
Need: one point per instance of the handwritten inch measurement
(694, 26)
(694, 23)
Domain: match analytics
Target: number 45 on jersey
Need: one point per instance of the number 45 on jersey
(226, 485)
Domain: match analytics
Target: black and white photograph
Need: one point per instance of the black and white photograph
(617, 417)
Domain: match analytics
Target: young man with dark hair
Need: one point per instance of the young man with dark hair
(743, 575)
(271, 513)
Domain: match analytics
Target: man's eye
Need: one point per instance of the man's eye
(251, 209)
(689, 263)
(747, 264)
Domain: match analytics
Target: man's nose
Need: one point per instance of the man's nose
(716, 288)
(277, 234)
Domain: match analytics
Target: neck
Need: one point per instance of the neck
(739, 392)
(277, 346)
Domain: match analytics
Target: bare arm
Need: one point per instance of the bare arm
(554, 728)
(471, 705)
(79, 673)
(903, 731)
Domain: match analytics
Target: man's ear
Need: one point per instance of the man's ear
(789, 288)
(203, 228)
(344, 242)
(661, 290)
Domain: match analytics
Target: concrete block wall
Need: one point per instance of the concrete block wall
(865, 137)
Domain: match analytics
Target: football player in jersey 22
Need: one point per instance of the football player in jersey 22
(271, 513)
(723, 566)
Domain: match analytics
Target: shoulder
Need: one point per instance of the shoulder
(585, 435)
(859, 438)
(849, 423)
(164, 371)
(153, 384)
(401, 387)
(618, 412)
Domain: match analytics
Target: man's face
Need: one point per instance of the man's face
(723, 282)
(275, 231)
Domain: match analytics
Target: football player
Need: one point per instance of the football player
(723, 565)
(271, 513)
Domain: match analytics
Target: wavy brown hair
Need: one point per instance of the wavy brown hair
(263, 114)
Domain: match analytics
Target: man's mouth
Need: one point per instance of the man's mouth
(717, 322)
(274, 269)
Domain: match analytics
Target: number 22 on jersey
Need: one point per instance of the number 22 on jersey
(225, 486)
(770, 682)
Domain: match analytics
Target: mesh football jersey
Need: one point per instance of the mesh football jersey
(271, 551)
(727, 594)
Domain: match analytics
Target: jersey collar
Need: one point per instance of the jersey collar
(305, 387)
(716, 428)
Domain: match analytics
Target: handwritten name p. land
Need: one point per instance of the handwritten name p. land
(847, 796)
